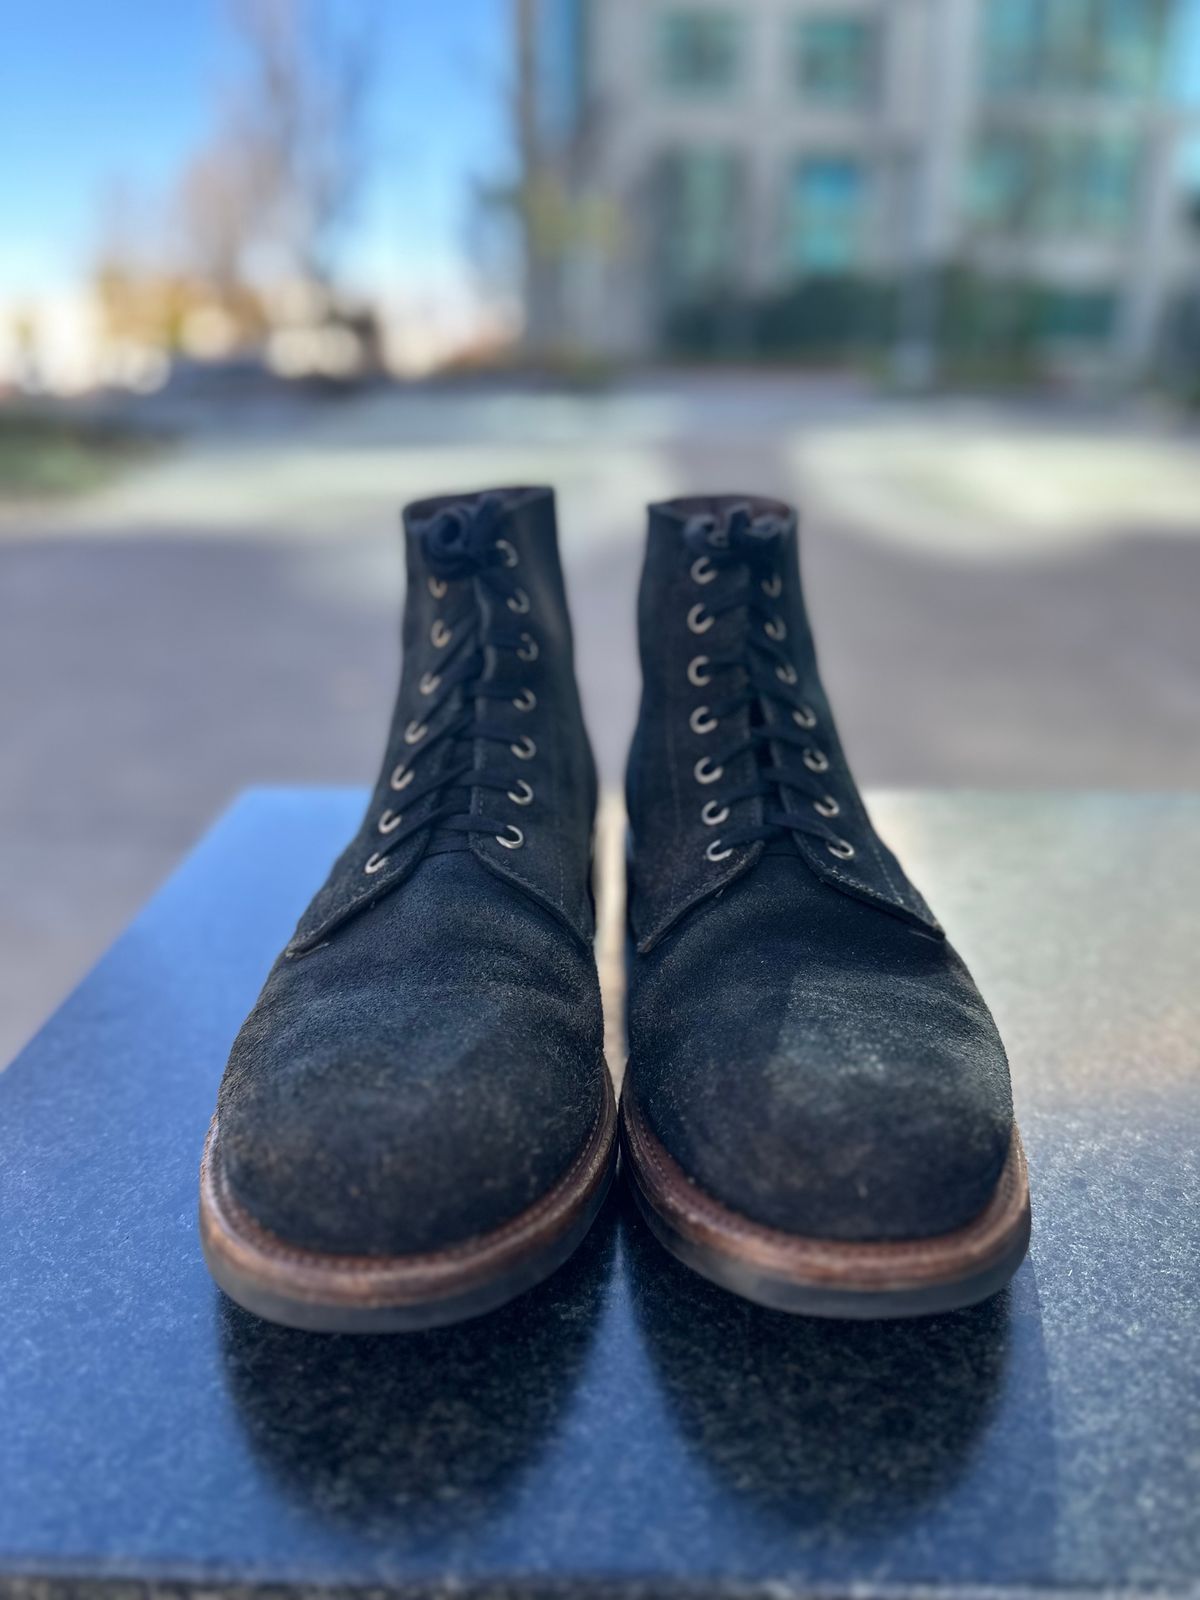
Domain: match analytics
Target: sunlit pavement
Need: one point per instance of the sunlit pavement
(1003, 595)
(965, 478)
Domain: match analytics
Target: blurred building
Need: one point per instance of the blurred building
(972, 180)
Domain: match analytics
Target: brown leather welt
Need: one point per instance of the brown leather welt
(361, 1280)
(871, 1265)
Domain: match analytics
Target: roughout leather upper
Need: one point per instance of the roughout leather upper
(555, 865)
(426, 1057)
(803, 1039)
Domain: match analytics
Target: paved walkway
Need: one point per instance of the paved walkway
(158, 653)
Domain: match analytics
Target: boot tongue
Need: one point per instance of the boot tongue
(459, 543)
(443, 840)
(780, 844)
(739, 537)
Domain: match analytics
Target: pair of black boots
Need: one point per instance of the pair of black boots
(417, 1122)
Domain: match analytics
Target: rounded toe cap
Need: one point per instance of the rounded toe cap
(854, 1109)
(849, 1160)
(345, 1151)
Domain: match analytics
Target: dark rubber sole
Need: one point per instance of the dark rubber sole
(398, 1294)
(828, 1277)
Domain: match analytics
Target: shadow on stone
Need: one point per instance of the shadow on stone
(849, 1428)
(411, 1434)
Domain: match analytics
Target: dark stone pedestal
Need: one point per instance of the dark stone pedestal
(626, 1428)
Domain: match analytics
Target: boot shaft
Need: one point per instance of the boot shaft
(487, 726)
(720, 611)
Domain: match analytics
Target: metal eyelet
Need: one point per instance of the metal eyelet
(705, 772)
(715, 853)
(805, 717)
(772, 587)
(375, 864)
(526, 700)
(775, 629)
(703, 570)
(415, 732)
(389, 821)
(529, 648)
(522, 795)
(440, 635)
(701, 720)
(713, 813)
(696, 674)
(507, 551)
(827, 807)
(694, 620)
(842, 848)
(786, 673)
(438, 588)
(524, 749)
(519, 602)
(401, 777)
(816, 761)
(514, 842)
(429, 682)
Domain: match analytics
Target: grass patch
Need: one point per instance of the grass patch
(44, 455)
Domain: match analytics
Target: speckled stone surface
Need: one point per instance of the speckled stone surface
(626, 1428)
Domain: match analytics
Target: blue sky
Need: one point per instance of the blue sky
(96, 92)
(99, 92)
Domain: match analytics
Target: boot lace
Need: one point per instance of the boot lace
(743, 550)
(466, 561)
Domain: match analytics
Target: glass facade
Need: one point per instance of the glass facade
(1055, 182)
(835, 58)
(561, 41)
(825, 214)
(1076, 46)
(698, 215)
(699, 49)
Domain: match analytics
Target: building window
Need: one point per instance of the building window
(1080, 316)
(1134, 54)
(698, 216)
(560, 43)
(1075, 46)
(699, 49)
(1093, 183)
(835, 58)
(825, 215)
(1000, 198)
(1055, 182)
(1010, 43)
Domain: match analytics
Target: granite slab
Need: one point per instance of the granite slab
(626, 1429)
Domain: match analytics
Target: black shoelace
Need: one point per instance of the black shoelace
(464, 555)
(741, 554)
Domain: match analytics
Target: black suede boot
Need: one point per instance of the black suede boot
(817, 1111)
(416, 1122)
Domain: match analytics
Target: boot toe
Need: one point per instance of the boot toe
(836, 1088)
(362, 1115)
(350, 1155)
(854, 1147)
